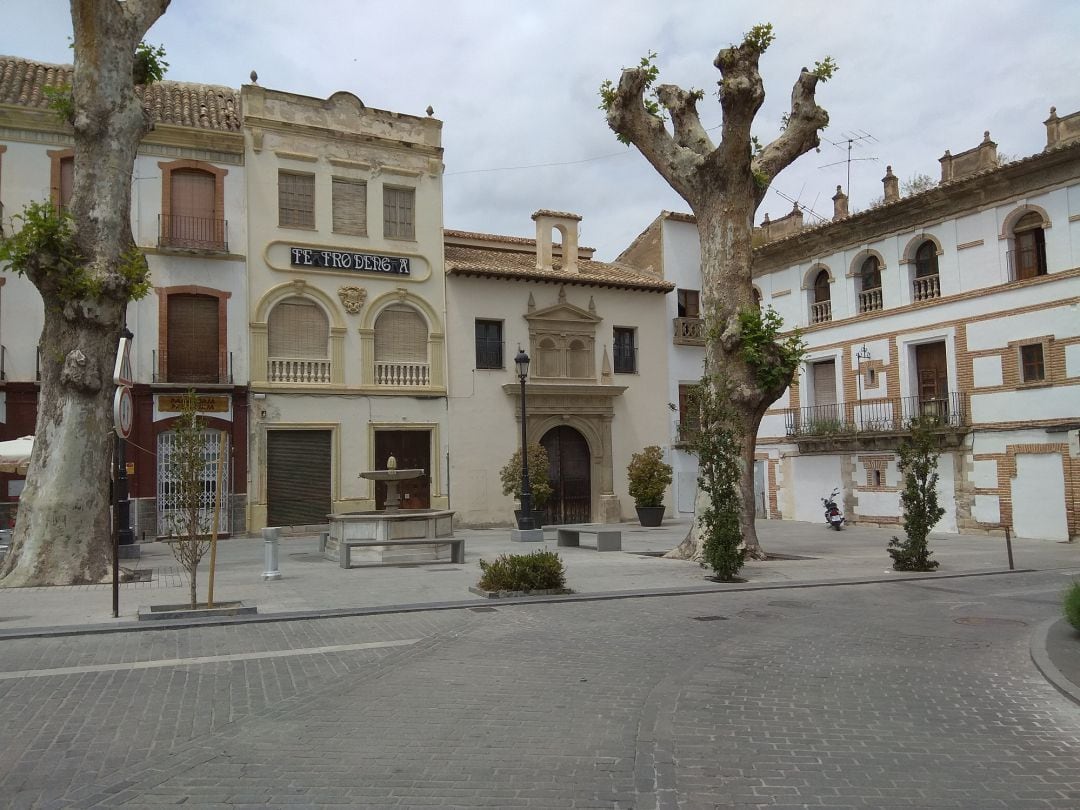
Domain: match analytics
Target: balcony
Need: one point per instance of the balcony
(821, 312)
(193, 233)
(689, 332)
(1027, 262)
(403, 375)
(925, 288)
(875, 423)
(302, 370)
(686, 431)
(187, 374)
(870, 300)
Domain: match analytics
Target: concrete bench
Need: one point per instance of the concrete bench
(603, 538)
(457, 549)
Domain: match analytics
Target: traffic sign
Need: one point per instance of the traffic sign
(123, 411)
(122, 374)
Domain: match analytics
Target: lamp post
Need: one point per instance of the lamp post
(862, 354)
(525, 522)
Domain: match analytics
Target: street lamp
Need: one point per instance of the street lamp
(862, 354)
(525, 521)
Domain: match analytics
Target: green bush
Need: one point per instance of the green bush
(540, 570)
(539, 483)
(649, 476)
(1072, 604)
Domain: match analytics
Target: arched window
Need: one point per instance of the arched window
(1028, 254)
(578, 361)
(297, 342)
(821, 306)
(401, 347)
(926, 284)
(547, 358)
(870, 285)
(757, 297)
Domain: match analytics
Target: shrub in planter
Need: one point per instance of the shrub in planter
(1072, 605)
(649, 477)
(540, 570)
(918, 462)
(539, 483)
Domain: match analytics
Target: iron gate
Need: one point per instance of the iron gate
(215, 444)
(568, 470)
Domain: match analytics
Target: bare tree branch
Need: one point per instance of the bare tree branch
(741, 96)
(682, 106)
(143, 14)
(805, 122)
(628, 117)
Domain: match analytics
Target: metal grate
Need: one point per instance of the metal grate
(215, 442)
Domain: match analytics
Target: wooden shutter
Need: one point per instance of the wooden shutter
(67, 181)
(398, 206)
(350, 206)
(191, 221)
(825, 383)
(298, 328)
(296, 200)
(192, 342)
(400, 336)
(298, 484)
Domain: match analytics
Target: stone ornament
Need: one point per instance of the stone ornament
(352, 298)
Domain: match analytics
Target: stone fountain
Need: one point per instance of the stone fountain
(392, 523)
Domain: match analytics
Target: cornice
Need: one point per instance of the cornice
(327, 134)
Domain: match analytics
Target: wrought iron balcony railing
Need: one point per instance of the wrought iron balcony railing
(893, 415)
(193, 233)
(185, 374)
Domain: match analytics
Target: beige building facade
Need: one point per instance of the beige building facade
(347, 311)
(594, 332)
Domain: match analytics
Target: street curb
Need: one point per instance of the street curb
(1041, 658)
(420, 607)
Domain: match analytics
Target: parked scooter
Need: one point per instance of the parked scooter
(833, 516)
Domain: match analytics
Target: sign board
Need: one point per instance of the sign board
(174, 403)
(347, 260)
(122, 374)
(129, 467)
(123, 411)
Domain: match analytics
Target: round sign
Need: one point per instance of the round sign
(123, 411)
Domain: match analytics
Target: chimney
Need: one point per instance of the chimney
(840, 209)
(567, 226)
(892, 185)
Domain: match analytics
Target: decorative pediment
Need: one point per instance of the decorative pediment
(562, 313)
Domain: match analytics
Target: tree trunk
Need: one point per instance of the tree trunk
(62, 532)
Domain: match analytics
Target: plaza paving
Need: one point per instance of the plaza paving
(800, 688)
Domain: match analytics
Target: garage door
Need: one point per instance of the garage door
(297, 477)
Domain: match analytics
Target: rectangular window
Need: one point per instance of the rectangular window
(398, 205)
(1031, 361)
(296, 200)
(67, 182)
(689, 306)
(689, 412)
(489, 344)
(350, 206)
(625, 350)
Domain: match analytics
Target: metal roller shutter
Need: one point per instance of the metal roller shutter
(297, 477)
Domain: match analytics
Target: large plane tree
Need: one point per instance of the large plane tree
(748, 364)
(85, 265)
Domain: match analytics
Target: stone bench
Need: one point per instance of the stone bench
(602, 537)
(345, 547)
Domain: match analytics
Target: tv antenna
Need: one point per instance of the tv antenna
(795, 201)
(851, 139)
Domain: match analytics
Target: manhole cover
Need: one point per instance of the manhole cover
(790, 603)
(483, 609)
(987, 621)
(709, 618)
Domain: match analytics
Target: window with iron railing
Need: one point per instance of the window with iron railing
(624, 350)
(489, 344)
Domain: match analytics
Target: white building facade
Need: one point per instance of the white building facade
(961, 303)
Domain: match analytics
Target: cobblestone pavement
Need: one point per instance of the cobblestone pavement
(907, 694)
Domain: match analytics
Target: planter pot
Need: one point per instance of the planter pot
(650, 515)
(537, 518)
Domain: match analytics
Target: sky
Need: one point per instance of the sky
(515, 84)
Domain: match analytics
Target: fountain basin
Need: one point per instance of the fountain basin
(403, 524)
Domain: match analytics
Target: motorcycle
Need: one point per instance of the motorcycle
(833, 516)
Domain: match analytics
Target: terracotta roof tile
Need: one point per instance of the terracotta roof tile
(498, 262)
(205, 106)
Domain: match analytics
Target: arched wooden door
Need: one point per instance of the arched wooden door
(568, 468)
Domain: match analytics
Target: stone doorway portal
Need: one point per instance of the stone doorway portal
(569, 466)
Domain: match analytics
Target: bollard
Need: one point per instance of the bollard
(1008, 547)
(270, 553)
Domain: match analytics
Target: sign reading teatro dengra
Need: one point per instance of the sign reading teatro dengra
(346, 260)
